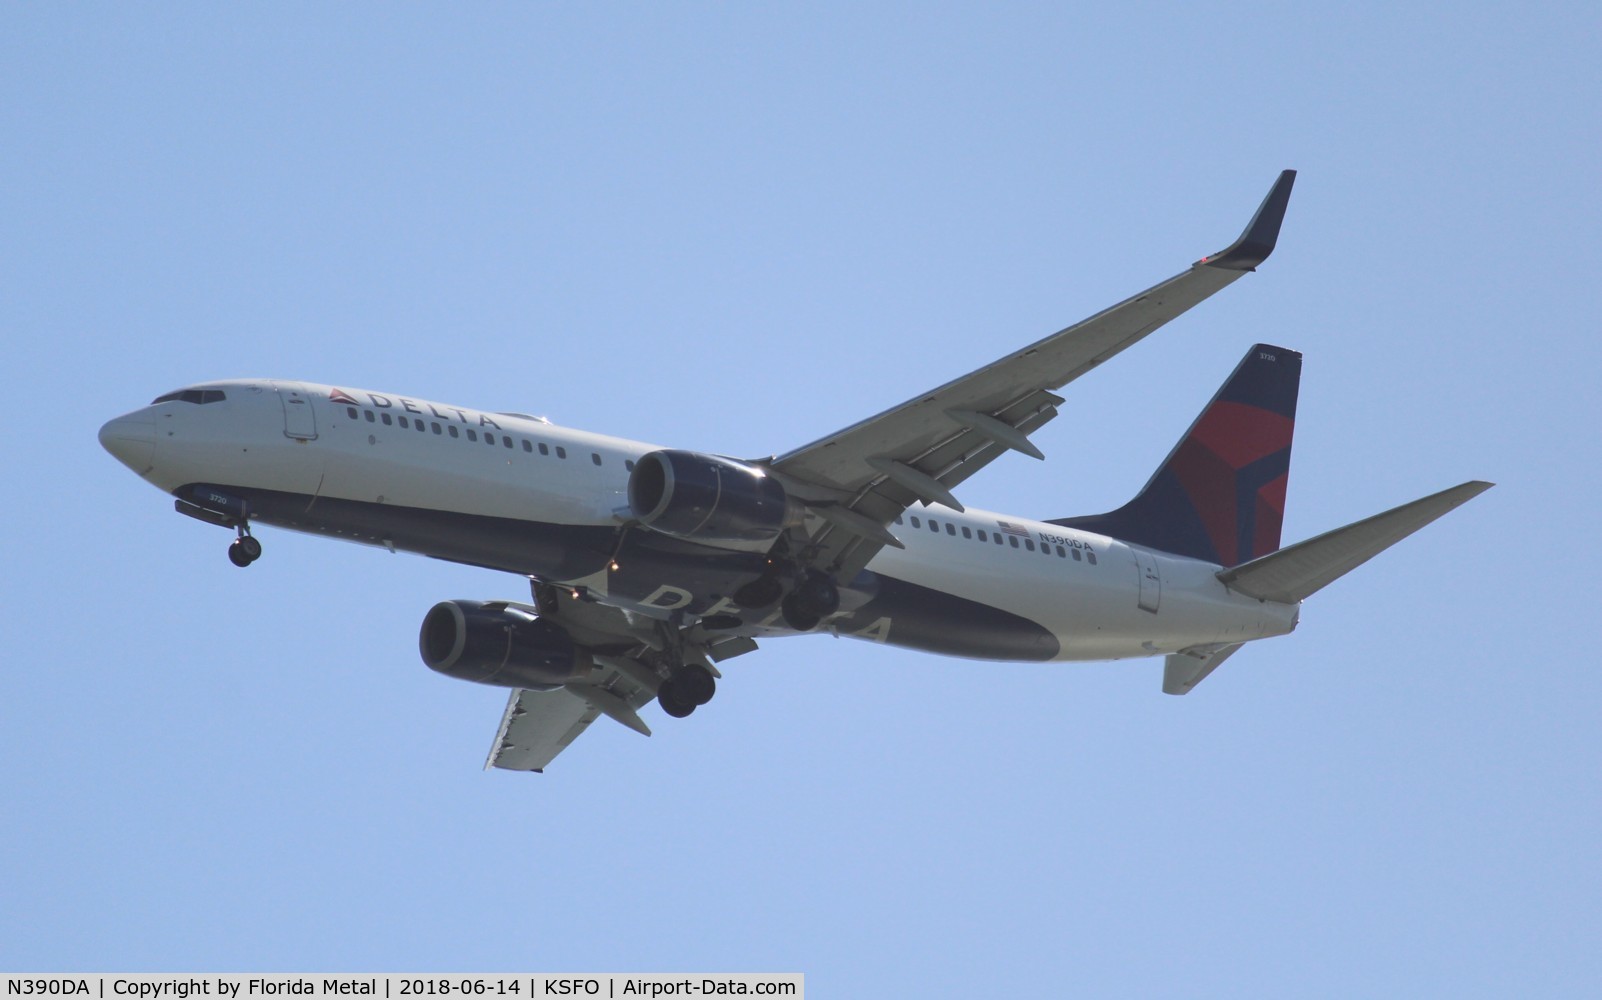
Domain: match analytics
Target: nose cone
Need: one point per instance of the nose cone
(131, 439)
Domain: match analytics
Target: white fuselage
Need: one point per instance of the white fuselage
(470, 486)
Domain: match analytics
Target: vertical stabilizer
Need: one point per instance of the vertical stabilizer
(1220, 494)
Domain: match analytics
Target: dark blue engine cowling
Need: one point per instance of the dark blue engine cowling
(497, 644)
(706, 498)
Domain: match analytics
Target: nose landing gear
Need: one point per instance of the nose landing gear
(245, 549)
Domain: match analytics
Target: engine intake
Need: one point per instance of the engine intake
(707, 498)
(498, 644)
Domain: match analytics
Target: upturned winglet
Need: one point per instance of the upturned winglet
(1260, 235)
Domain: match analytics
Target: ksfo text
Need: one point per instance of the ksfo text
(397, 987)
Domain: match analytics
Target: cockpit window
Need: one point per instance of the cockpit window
(191, 396)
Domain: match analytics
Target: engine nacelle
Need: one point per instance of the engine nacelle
(500, 645)
(706, 498)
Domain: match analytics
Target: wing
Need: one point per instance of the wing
(537, 726)
(631, 657)
(860, 479)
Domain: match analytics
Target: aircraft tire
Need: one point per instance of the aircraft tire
(672, 702)
(238, 556)
(694, 683)
(799, 615)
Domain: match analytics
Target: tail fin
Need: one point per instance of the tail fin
(1219, 496)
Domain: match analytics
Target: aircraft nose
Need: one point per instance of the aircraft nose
(131, 439)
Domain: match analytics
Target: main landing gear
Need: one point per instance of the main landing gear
(813, 598)
(686, 689)
(245, 549)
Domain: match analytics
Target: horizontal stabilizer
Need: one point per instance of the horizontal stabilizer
(1189, 667)
(1294, 573)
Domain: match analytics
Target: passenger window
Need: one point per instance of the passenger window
(915, 523)
(1029, 544)
(506, 440)
(489, 439)
(1076, 554)
(352, 411)
(934, 525)
(545, 449)
(370, 418)
(435, 426)
(452, 429)
(561, 452)
(472, 435)
(982, 536)
(1014, 540)
(405, 425)
(629, 465)
(967, 532)
(596, 458)
(1092, 557)
(527, 447)
(998, 539)
(951, 529)
(898, 518)
(1061, 553)
(420, 428)
(388, 422)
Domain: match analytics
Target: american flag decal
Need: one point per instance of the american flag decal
(1013, 529)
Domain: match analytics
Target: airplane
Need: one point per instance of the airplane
(649, 566)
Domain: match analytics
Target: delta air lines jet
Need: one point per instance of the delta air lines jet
(650, 566)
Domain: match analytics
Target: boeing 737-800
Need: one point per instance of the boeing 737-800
(649, 566)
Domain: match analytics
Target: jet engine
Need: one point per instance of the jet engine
(500, 644)
(707, 498)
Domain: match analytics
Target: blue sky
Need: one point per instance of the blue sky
(736, 229)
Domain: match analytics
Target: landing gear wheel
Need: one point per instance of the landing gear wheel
(813, 599)
(694, 683)
(672, 701)
(244, 550)
(799, 615)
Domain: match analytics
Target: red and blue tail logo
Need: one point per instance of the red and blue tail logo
(1220, 494)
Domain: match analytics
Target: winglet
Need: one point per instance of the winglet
(1257, 242)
